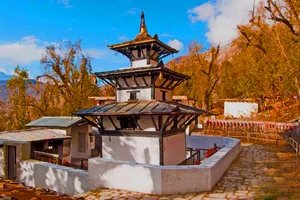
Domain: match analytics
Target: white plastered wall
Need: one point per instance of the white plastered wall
(142, 94)
(174, 149)
(239, 109)
(133, 149)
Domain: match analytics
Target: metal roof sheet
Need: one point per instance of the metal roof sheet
(152, 107)
(63, 122)
(30, 135)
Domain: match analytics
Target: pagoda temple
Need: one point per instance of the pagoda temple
(143, 125)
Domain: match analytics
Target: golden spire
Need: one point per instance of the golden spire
(143, 28)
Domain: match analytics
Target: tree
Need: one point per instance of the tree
(17, 86)
(68, 78)
(203, 67)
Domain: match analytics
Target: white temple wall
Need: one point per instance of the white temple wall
(240, 109)
(143, 63)
(174, 149)
(142, 94)
(64, 180)
(133, 149)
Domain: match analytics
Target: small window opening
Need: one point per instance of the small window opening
(128, 122)
(133, 95)
(164, 95)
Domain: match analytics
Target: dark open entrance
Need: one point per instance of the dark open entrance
(11, 162)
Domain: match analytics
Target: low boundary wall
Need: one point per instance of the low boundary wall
(64, 180)
(154, 179)
(159, 180)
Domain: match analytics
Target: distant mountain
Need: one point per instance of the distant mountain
(3, 81)
(4, 77)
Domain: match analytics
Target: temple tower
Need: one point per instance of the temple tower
(143, 125)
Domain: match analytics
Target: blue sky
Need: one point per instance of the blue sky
(26, 27)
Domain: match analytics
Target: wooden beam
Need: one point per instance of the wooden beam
(105, 81)
(135, 81)
(112, 121)
(101, 127)
(176, 84)
(117, 82)
(167, 121)
(183, 124)
(166, 126)
(90, 122)
(136, 122)
(173, 132)
(172, 81)
(126, 82)
(162, 85)
(153, 121)
(161, 149)
(145, 82)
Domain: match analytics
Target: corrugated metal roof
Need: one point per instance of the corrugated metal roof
(30, 135)
(63, 122)
(140, 108)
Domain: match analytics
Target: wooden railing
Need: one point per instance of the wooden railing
(46, 157)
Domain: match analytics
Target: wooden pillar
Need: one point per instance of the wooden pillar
(161, 149)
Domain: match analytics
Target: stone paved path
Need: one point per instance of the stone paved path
(260, 172)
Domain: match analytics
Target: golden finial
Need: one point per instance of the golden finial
(143, 28)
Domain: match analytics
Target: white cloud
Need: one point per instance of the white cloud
(97, 53)
(66, 3)
(222, 17)
(21, 52)
(166, 35)
(201, 13)
(30, 39)
(132, 11)
(176, 44)
(123, 38)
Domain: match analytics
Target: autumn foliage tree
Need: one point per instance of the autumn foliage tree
(204, 70)
(68, 78)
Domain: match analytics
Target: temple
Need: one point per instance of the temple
(143, 125)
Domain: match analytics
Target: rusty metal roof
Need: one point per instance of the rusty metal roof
(152, 107)
(61, 122)
(30, 135)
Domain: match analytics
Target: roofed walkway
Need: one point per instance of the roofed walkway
(260, 171)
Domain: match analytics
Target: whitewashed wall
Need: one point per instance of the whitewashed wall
(133, 149)
(240, 109)
(174, 149)
(160, 180)
(64, 180)
(143, 63)
(143, 94)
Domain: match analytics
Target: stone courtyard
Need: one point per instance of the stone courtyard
(261, 171)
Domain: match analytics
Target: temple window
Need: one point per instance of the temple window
(128, 122)
(133, 95)
(164, 95)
